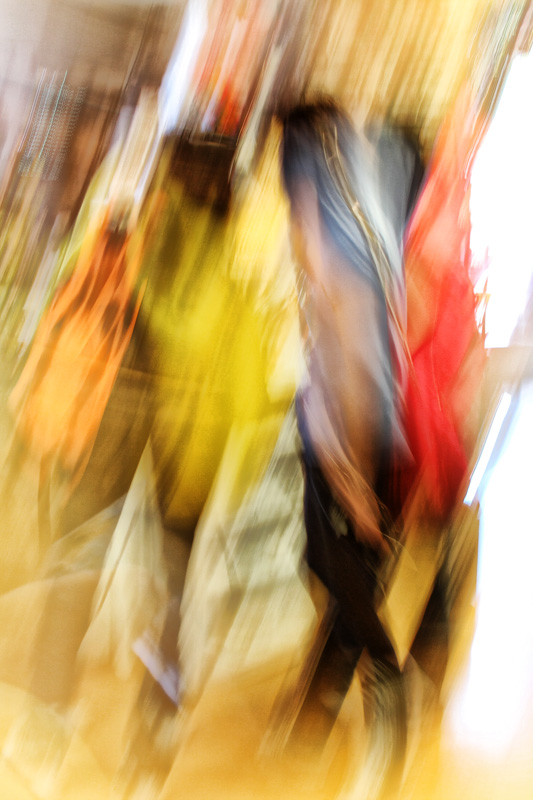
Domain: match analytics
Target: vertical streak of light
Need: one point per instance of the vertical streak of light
(492, 703)
(179, 72)
(484, 458)
(53, 115)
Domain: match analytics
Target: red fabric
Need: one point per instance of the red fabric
(446, 349)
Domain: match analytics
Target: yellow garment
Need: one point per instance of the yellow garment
(220, 328)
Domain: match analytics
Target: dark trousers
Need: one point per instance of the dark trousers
(349, 571)
(346, 567)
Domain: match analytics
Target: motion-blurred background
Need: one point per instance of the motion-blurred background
(153, 595)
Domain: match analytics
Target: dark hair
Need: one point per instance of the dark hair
(319, 144)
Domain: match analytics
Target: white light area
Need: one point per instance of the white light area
(176, 82)
(491, 705)
(484, 458)
(175, 86)
(502, 203)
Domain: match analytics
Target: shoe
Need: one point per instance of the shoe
(326, 693)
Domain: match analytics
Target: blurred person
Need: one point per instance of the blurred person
(501, 207)
(434, 580)
(460, 211)
(350, 196)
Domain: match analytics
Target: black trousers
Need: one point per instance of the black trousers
(349, 570)
(346, 567)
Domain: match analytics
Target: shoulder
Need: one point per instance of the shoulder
(399, 163)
